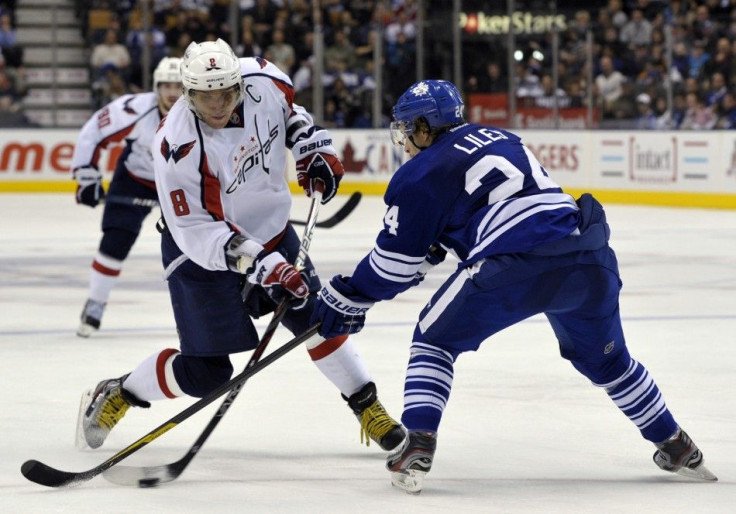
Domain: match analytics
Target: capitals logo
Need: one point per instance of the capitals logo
(174, 151)
(127, 108)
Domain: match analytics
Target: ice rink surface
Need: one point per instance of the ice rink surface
(523, 432)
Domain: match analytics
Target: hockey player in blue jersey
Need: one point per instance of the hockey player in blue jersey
(524, 248)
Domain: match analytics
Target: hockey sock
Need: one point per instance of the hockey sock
(153, 379)
(103, 276)
(427, 387)
(636, 394)
(338, 359)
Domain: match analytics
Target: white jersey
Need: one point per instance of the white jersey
(131, 119)
(215, 183)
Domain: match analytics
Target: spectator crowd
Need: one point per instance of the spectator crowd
(12, 83)
(629, 54)
(278, 30)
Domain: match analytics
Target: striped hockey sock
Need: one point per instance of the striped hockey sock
(103, 277)
(427, 387)
(638, 396)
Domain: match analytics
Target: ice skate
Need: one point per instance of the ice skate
(375, 423)
(91, 317)
(412, 461)
(678, 454)
(100, 410)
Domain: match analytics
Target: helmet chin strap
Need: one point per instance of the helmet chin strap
(410, 137)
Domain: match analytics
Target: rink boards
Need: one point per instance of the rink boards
(688, 168)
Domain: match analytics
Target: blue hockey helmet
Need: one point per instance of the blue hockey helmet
(437, 101)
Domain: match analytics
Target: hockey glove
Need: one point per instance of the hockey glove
(435, 255)
(241, 253)
(277, 277)
(320, 166)
(89, 186)
(340, 309)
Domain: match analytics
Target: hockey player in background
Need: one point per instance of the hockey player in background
(220, 162)
(129, 120)
(524, 247)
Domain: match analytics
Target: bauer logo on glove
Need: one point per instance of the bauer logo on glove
(311, 147)
(340, 306)
(316, 160)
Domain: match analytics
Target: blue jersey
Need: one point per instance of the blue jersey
(478, 192)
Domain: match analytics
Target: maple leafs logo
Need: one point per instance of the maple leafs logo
(174, 151)
(420, 89)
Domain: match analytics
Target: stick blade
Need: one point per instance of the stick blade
(43, 474)
(342, 213)
(146, 476)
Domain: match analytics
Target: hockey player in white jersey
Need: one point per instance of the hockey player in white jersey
(220, 162)
(131, 120)
(524, 248)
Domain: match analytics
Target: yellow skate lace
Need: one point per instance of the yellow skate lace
(375, 423)
(113, 410)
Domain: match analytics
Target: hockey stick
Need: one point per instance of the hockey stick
(342, 213)
(148, 476)
(43, 474)
(130, 200)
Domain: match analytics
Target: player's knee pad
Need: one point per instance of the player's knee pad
(117, 242)
(197, 376)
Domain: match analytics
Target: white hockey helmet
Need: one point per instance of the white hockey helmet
(209, 66)
(168, 70)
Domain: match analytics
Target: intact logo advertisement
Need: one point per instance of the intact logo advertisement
(653, 162)
(661, 159)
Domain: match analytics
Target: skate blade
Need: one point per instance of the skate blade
(85, 330)
(410, 481)
(699, 473)
(80, 442)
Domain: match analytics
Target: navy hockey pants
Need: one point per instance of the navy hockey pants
(122, 223)
(577, 292)
(211, 317)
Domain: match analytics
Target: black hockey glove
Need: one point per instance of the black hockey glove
(89, 186)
